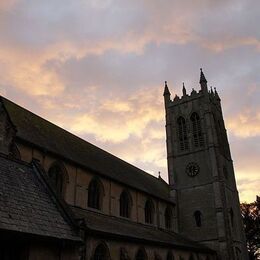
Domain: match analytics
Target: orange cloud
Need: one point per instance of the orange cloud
(135, 123)
(6, 5)
(248, 187)
(245, 124)
(116, 121)
(220, 45)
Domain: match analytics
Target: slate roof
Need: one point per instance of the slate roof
(51, 138)
(26, 204)
(124, 228)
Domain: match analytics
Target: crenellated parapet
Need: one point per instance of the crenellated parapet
(211, 95)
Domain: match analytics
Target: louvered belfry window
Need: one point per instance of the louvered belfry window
(182, 134)
(198, 140)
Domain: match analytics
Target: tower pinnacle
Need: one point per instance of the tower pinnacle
(167, 95)
(166, 90)
(203, 82)
(184, 89)
(202, 77)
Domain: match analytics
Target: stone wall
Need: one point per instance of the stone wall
(76, 189)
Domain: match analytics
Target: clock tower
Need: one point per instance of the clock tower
(201, 171)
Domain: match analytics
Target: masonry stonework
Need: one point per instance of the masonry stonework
(201, 171)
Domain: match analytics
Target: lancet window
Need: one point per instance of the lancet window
(198, 140)
(95, 192)
(182, 134)
(125, 204)
(149, 212)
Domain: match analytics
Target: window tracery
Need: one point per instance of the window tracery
(182, 134)
(198, 140)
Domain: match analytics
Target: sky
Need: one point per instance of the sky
(97, 68)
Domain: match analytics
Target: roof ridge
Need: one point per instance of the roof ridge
(80, 138)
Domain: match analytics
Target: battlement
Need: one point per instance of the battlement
(211, 95)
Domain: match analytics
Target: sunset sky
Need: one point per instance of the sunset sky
(97, 68)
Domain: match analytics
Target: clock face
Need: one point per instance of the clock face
(192, 169)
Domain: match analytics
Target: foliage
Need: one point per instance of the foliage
(251, 219)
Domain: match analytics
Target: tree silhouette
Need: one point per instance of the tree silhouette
(251, 219)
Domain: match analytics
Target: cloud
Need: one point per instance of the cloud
(245, 124)
(6, 5)
(248, 188)
(116, 121)
(245, 153)
(30, 77)
(97, 67)
(229, 42)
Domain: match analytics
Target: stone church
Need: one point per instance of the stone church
(64, 198)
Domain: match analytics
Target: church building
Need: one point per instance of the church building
(63, 198)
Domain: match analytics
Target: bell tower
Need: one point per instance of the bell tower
(201, 171)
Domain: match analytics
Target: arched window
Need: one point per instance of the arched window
(170, 256)
(149, 211)
(141, 255)
(95, 192)
(197, 217)
(182, 134)
(101, 253)
(58, 176)
(125, 204)
(168, 218)
(198, 140)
